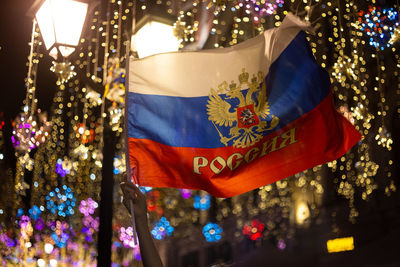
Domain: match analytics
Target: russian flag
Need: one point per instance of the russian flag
(233, 119)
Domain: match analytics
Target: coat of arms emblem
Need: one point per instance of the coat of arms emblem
(249, 119)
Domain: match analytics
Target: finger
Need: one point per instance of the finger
(129, 191)
(130, 185)
(137, 191)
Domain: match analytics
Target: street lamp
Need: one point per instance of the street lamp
(61, 23)
(154, 35)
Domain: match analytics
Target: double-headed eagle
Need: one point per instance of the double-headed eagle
(245, 120)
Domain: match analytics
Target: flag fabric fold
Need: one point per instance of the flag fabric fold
(233, 119)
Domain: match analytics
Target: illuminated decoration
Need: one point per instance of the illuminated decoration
(93, 97)
(259, 9)
(302, 212)
(161, 229)
(218, 5)
(115, 82)
(379, 24)
(126, 237)
(360, 112)
(88, 207)
(83, 134)
(97, 155)
(254, 230)
(116, 113)
(395, 36)
(186, 193)
(35, 212)
(20, 212)
(64, 70)
(61, 23)
(48, 248)
(384, 138)
(119, 164)
(281, 244)
(61, 201)
(202, 202)
(60, 168)
(81, 151)
(60, 235)
(154, 35)
(340, 244)
(24, 221)
(26, 229)
(344, 68)
(91, 226)
(184, 31)
(29, 133)
(212, 232)
(6, 240)
(39, 224)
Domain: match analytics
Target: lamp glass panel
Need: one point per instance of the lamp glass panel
(45, 20)
(154, 38)
(69, 17)
(54, 53)
(65, 50)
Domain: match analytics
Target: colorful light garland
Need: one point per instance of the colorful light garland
(29, 133)
(87, 207)
(161, 229)
(60, 235)
(61, 201)
(35, 212)
(186, 193)
(379, 24)
(212, 232)
(126, 237)
(202, 202)
(258, 9)
(254, 230)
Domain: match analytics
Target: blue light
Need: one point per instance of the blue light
(212, 232)
(34, 212)
(161, 229)
(202, 202)
(61, 203)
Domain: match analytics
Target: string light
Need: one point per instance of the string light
(162, 229)
(379, 24)
(202, 202)
(254, 230)
(61, 201)
(212, 232)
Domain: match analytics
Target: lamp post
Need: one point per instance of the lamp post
(60, 23)
(154, 35)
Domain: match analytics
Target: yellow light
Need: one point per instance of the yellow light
(302, 212)
(154, 38)
(61, 22)
(340, 244)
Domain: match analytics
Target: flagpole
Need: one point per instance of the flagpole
(127, 163)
